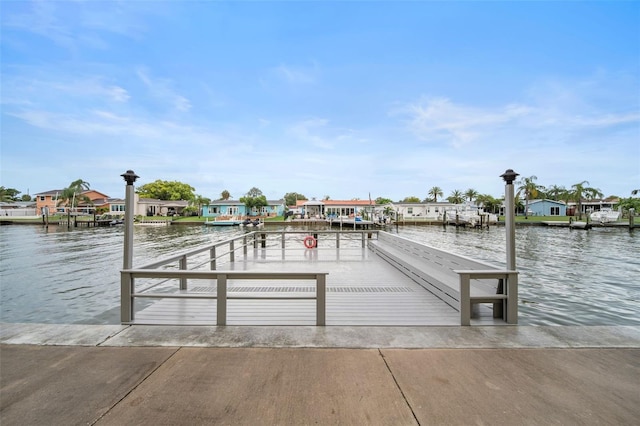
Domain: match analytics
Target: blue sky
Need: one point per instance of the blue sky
(343, 99)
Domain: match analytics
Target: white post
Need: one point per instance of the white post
(509, 216)
(130, 177)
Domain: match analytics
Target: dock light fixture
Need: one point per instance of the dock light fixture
(509, 217)
(130, 177)
(509, 176)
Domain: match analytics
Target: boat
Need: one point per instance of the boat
(465, 216)
(579, 224)
(223, 222)
(605, 215)
(249, 222)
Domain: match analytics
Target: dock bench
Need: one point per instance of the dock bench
(459, 281)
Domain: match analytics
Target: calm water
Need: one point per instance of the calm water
(567, 277)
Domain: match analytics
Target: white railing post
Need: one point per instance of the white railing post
(321, 297)
(212, 258)
(244, 246)
(337, 239)
(221, 294)
(232, 251)
(126, 300)
(465, 299)
(283, 240)
(183, 267)
(512, 298)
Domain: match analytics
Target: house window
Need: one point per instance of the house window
(409, 210)
(42, 198)
(555, 211)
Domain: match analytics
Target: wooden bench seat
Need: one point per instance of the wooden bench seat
(457, 280)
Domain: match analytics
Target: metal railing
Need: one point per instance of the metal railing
(228, 248)
(129, 294)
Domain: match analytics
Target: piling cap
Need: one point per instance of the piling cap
(509, 176)
(130, 177)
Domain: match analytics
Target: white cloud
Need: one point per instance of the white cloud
(161, 89)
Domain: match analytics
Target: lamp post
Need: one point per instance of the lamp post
(510, 225)
(129, 177)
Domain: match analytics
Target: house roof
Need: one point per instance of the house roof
(51, 192)
(54, 192)
(240, 203)
(350, 203)
(547, 200)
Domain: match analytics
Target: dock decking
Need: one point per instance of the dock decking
(362, 289)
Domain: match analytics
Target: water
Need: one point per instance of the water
(566, 277)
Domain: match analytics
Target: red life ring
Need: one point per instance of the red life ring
(310, 242)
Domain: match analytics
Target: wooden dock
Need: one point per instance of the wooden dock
(362, 289)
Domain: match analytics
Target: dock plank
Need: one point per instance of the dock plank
(362, 289)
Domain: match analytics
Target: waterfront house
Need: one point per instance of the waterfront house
(546, 207)
(18, 208)
(156, 207)
(589, 206)
(220, 208)
(422, 211)
(334, 208)
(48, 201)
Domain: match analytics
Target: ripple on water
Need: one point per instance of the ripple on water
(566, 277)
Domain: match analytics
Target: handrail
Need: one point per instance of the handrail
(184, 273)
(252, 235)
(128, 293)
(509, 291)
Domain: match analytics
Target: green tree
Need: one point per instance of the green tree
(625, 204)
(530, 189)
(25, 197)
(580, 191)
(254, 192)
(199, 201)
(488, 203)
(556, 192)
(326, 198)
(456, 197)
(471, 195)
(435, 192)
(411, 200)
(290, 198)
(8, 194)
(73, 195)
(254, 203)
(382, 201)
(254, 200)
(166, 190)
(225, 195)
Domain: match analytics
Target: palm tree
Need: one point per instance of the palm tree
(471, 195)
(555, 191)
(530, 190)
(456, 197)
(488, 203)
(581, 191)
(635, 192)
(435, 192)
(225, 195)
(72, 196)
(199, 200)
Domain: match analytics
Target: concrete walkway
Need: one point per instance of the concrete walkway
(114, 375)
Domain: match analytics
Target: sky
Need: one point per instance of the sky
(340, 99)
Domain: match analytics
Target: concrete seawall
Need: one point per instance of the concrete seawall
(112, 374)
